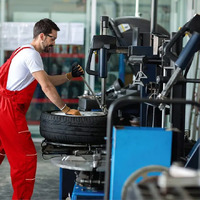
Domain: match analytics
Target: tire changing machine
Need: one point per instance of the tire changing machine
(129, 144)
(128, 148)
(119, 141)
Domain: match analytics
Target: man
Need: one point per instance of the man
(18, 79)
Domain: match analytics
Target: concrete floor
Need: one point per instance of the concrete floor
(47, 179)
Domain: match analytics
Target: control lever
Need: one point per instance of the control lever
(102, 107)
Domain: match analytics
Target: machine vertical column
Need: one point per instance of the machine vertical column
(103, 59)
(153, 25)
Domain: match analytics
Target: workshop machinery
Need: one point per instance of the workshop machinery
(183, 61)
(144, 104)
(88, 160)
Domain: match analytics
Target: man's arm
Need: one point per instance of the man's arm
(58, 79)
(48, 87)
(77, 71)
(51, 92)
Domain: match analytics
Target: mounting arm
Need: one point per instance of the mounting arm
(186, 55)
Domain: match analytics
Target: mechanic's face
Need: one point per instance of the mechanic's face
(49, 41)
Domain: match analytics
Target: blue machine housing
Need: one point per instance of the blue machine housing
(84, 193)
(134, 148)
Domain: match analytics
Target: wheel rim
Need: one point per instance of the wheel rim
(83, 114)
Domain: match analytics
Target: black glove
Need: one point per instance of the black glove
(77, 70)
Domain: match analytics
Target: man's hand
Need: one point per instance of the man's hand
(73, 112)
(77, 70)
(68, 111)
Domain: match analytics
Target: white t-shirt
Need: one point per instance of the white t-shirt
(22, 66)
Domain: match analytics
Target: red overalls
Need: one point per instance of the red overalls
(15, 138)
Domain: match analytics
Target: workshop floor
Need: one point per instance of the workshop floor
(47, 179)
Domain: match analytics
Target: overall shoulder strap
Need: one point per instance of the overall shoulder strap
(18, 50)
(5, 67)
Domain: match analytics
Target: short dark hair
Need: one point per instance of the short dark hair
(44, 26)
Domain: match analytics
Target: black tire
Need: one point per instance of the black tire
(89, 128)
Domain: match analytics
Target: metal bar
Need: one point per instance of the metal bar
(103, 91)
(153, 25)
(60, 184)
(178, 120)
(154, 192)
(137, 3)
(93, 32)
(103, 61)
(183, 194)
(88, 35)
(93, 94)
(154, 5)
